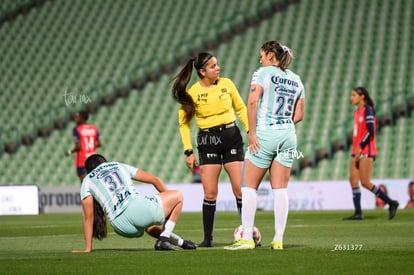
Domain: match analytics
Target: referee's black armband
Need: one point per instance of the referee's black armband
(188, 152)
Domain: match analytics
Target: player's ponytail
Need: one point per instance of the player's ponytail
(282, 53)
(99, 222)
(179, 90)
(99, 218)
(367, 98)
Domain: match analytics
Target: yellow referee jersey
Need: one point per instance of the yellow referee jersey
(214, 106)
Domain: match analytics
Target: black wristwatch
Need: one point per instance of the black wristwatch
(188, 152)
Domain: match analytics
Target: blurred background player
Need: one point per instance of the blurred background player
(364, 152)
(276, 103)
(196, 174)
(410, 203)
(212, 101)
(87, 139)
(108, 190)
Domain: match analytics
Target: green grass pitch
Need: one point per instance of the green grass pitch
(316, 242)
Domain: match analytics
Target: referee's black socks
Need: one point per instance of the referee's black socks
(209, 212)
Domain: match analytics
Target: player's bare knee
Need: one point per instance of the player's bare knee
(210, 197)
(178, 195)
(367, 185)
(353, 181)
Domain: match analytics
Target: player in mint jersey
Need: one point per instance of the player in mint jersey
(276, 102)
(364, 152)
(107, 190)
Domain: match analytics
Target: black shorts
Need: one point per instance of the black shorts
(220, 144)
(366, 156)
(81, 171)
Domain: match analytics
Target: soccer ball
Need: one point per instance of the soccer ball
(238, 234)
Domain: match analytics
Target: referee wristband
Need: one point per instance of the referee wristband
(188, 152)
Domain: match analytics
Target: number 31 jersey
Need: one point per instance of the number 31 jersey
(281, 90)
(111, 185)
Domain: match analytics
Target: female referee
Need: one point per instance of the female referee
(364, 152)
(212, 101)
(276, 103)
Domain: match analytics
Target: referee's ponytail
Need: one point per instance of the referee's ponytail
(367, 98)
(179, 90)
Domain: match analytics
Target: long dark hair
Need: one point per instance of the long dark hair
(99, 217)
(367, 98)
(179, 89)
(282, 53)
(99, 221)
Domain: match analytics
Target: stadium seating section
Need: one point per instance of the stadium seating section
(117, 59)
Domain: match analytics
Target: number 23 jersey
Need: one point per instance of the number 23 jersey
(281, 90)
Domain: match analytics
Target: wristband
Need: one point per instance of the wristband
(69, 152)
(188, 152)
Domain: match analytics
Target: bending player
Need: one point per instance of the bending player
(107, 190)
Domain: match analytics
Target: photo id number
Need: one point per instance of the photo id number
(347, 247)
